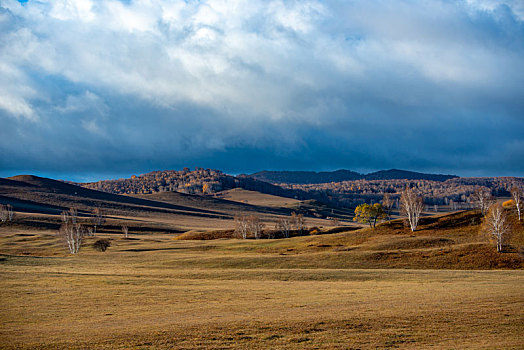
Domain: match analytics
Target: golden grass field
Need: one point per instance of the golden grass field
(382, 288)
(256, 198)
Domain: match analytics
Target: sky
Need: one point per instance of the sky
(92, 90)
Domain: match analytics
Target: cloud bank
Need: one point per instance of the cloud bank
(116, 87)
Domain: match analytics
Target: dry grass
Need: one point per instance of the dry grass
(205, 235)
(129, 298)
(256, 198)
(381, 288)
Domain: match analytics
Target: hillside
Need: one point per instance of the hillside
(443, 190)
(39, 202)
(198, 181)
(311, 177)
(395, 174)
(28, 193)
(305, 177)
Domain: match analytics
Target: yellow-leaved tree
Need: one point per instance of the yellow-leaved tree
(369, 214)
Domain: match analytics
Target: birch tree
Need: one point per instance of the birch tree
(482, 199)
(125, 231)
(97, 219)
(70, 216)
(496, 224)
(284, 226)
(6, 213)
(10, 212)
(241, 226)
(298, 222)
(3, 213)
(516, 193)
(387, 204)
(72, 235)
(255, 226)
(411, 206)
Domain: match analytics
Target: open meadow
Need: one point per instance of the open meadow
(172, 284)
(326, 291)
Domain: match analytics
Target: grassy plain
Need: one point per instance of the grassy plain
(443, 286)
(327, 291)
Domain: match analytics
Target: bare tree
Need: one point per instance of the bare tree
(255, 226)
(516, 193)
(6, 213)
(387, 204)
(10, 212)
(97, 219)
(482, 199)
(298, 222)
(496, 224)
(125, 231)
(72, 236)
(3, 213)
(70, 216)
(284, 226)
(411, 205)
(241, 226)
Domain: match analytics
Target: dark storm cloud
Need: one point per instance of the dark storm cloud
(103, 89)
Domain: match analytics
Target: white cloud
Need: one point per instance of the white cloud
(225, 52)
(228, 69)
(72, 10)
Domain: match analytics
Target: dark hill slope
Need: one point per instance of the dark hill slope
(305, 177)
(395, 174)
(41, 195)
(311, 177)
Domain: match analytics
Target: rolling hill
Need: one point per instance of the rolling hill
(39, 201)
(311, 177)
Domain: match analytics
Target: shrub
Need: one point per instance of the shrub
(102, 244)
(314, 231)
(508, 203)
(521, 252)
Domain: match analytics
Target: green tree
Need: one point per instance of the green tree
(369, 213)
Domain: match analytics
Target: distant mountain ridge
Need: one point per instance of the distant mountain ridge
(312, 177)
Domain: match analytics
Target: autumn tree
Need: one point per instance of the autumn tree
(496, 224)
(411, 206)
(482, 199)
(72, 235)
(284, 226)
(516, 193)
(369, 214)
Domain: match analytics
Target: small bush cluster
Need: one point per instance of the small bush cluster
(102, 244)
